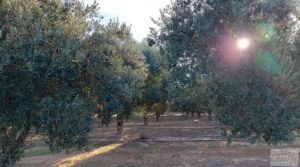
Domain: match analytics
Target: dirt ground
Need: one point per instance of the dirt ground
(175, 141)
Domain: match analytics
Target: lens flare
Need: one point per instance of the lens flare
(268, 63)
(243, 43)
(265, 31)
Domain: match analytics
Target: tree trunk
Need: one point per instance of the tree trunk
(192, 114)
(157, 117)
(145, 120)
(120, 123)
(209, 116)
(199, 114)
(187, 114)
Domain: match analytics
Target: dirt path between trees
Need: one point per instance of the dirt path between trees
(176, 141)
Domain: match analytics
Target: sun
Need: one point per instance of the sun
(243, 43)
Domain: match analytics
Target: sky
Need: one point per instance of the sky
(136, 13)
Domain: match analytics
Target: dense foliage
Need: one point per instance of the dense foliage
(117, 70)
(155, 94)
(41, 75)
(59, 66)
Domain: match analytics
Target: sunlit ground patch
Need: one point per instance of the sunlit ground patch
(178, 115)
(69, 162)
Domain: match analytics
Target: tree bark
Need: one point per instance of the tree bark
(120, 122)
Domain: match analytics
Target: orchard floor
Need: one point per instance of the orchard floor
(175, 141)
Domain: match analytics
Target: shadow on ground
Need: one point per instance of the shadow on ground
(176, 141)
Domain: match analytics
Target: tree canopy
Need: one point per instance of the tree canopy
(254, 91)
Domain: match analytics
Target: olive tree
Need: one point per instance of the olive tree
(117, 70)
(41, 75)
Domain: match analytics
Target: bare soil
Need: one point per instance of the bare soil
(175, 141)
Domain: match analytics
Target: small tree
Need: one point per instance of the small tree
(143, 111)
(159, 109)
